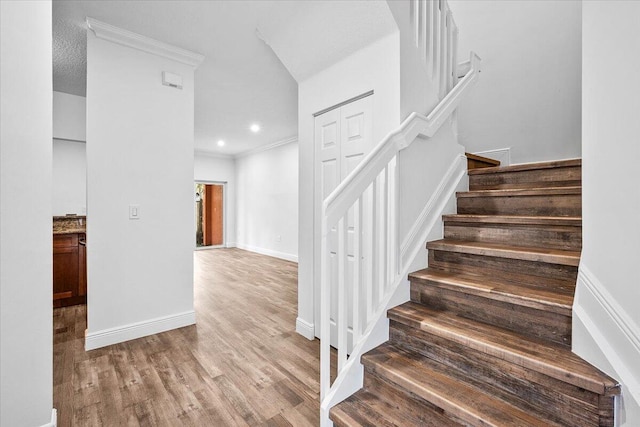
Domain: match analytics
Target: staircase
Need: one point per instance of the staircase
(486, 337)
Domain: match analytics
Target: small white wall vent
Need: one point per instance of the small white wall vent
(172, 80)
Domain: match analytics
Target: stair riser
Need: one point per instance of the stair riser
(567, 238)
(537, 323)
(537, 205)
(413, 406)
(526, 389)
(556, 177)
(514, 270)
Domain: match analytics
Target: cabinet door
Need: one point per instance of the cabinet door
(65, 272)
(82, 265)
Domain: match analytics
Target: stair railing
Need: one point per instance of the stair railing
(360, 250)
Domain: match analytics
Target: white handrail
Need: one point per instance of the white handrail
(344, 196)
(346, 193)
(366, 203)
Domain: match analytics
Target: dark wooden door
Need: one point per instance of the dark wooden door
(212, 217)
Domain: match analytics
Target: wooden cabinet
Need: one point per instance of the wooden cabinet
(69, 269)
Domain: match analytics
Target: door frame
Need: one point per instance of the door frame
(224, 216)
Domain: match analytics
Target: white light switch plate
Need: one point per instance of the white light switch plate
(134, 211)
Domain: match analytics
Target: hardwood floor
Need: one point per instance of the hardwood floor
(243, 364)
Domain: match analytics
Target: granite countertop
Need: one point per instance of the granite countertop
(70, 224)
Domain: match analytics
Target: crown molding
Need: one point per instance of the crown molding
(205, 153)
(143, 43)
(267, 147)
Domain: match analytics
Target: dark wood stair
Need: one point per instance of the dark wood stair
(486, 337)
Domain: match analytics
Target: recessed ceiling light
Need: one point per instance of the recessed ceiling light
(220, 143)
(255, 128)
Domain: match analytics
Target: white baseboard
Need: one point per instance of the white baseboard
(501, 154)
(132, 331)
(54, 419)
(231, 244)
(598, 316)
(305, 329)
(268, 252)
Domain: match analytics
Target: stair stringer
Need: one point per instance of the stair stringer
(441, 202)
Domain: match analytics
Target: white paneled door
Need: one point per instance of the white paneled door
(343, 137)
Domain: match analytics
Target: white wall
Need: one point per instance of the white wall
(26, 377)
(375, 67)
(69, 181)
(606, 315)
(528, 96)
(139, 151)
(219, 169)
(267, 201)
(69, 117)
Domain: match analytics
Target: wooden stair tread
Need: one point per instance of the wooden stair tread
(404, 368)
(528, 167)
(366, 409)
(525, 253)
(522, 192)
(550, 359)
(569, 221)
(558, 301)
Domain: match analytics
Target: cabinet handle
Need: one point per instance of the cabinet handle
(83, 242)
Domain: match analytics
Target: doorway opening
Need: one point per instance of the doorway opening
(209, 212)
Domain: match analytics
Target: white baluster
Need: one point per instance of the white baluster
(449, 53)
(341, 321)
(325, 313)
(357, 238)
(375, 240)
(424, 25)
(415, 19)
(384, 253)
(428, 49)
(396, 229)
(443, 48)
(436, 35)
(454, 59)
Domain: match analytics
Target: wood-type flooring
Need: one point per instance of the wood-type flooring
(242, 364)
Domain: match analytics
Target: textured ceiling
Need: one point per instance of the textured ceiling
(240, 82)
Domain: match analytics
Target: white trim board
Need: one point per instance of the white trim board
(267, 147)
(305, 329)
(128, 38)
(54, 419)
(610, 328)
(268, 252)
(420, 229)
(205, 153)
(259, 149)
(135, 330)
